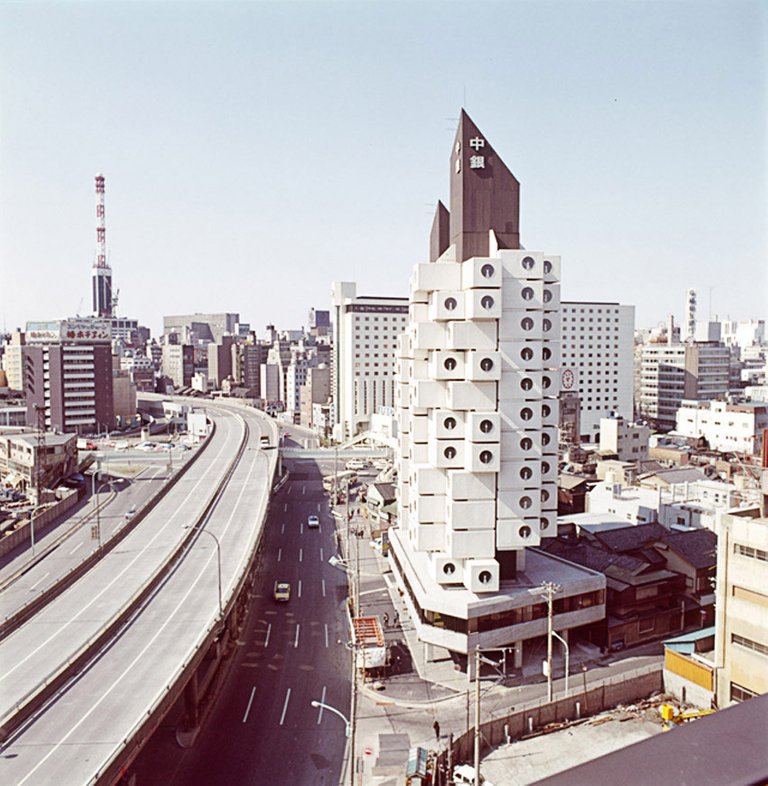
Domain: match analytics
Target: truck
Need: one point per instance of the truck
(368, 640)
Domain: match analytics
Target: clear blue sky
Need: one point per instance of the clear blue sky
(256, 152)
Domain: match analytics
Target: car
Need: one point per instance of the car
(182, 446)
(282, 591)
(313, 521)
(148, 446)
(166, 446)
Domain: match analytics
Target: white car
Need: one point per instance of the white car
(313, 521)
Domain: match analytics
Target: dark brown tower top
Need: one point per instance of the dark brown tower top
(485, 195)
(439, 236)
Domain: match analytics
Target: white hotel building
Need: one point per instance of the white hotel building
(478, 380)
(364, 344)
(598, 361)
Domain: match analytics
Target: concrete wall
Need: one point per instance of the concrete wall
(22, 534)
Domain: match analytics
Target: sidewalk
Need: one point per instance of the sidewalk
(398, 711)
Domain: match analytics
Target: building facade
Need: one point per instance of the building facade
(741, 633)
(598, 361)
(191, 328)
(179, 364)
(629, 441)
(477, 408)
(365, 340)
(68, 375)
(726, 427)
(670, 373)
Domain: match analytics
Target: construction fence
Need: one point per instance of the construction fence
(583, 701)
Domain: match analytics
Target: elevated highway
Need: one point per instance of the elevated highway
(87, 679)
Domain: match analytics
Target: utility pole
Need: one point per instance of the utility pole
(550, 589)
(477, 716)
(353, 718)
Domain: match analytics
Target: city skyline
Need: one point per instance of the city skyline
(637, 133)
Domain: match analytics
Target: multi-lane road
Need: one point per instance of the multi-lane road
(263, 729)
(93, 715)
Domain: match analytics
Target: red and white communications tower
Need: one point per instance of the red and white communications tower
(101, 273)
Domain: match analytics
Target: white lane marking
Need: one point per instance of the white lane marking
(318, 507)
(269, 630)
(322, 702)
(75, 549)
(285, 706)
(106, 588)
(285, 508)
(301, 555)
(296, 640)
(321, 553)
(250, 701)
(303, 489)
(326, 635)
(39, 580)
(323, 583)
(282, 529)
(279, 555)
(299, 587)
(301, 529)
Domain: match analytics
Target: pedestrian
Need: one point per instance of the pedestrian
(386, 620)
(396, 620)
(436, 727)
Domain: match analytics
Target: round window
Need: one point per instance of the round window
(543, 523)
(449, 423)
(527, 324)
(545, 382)
(487, 302)
(545, 439)
(527, 263)
(545, 467)
(484, 577)
(526, 383)
(450, 303)
(525, 502)
(486, 457)
(449, 569)
(449, 452)
(526, 473)
(486, 426)
(545, 410)
(547, 266)
(527, 353)
(526, 443)
(547, 325)
(527, 293)
(487, 271)
(449, 363)
(547, 296)
(525, 532)
(486, 364)
(526, 413)
(544, 495)
(546, 353)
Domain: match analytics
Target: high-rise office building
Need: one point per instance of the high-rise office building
(68, 375)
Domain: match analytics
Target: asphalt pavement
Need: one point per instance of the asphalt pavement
(262, 728)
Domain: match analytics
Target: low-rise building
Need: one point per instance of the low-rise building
(725, 427)
(628, 441)
(741, 647)
(23, 466)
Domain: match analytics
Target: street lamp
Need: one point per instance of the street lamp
(347, 724)
(218, 558)
(567, 658)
